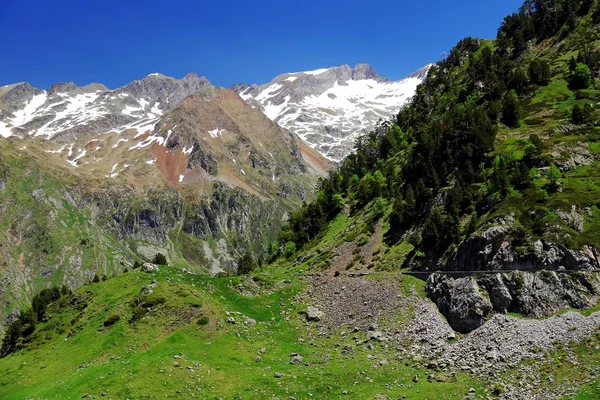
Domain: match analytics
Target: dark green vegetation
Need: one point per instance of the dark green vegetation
(482, 138)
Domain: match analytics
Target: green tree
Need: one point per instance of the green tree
(572, 64)
(582, 115)
(290, 248)
(521, 178)
(539, 72)
(518, 81)
(511, 111)
(581, 78)
(553, 176)
(246, 264)
(500, 179)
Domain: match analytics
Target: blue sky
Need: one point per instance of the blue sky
(229, 41)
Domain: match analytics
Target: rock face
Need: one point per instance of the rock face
(493, 250)
(537, 282)
(330, 108)
(461, 300)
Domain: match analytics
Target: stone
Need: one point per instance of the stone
(296, 359)
(375, 335)
(149, 267)
(313, 314)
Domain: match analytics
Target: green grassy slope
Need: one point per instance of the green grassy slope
(169, 353)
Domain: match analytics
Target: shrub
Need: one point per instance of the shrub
(204, 320)
(137, 314)
(290, 248)
(581, 78)
(152, 300)
(246, 264)
(581, 116)
(110, 321)
(380, 207)
(96, 278)
(160, 259)
(553, 176)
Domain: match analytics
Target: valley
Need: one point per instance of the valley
(329, 234)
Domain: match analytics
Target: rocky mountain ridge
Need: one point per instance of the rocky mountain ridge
(330, 107)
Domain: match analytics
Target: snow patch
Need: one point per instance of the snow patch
(74, 162)
(215, 133)
(114, 146)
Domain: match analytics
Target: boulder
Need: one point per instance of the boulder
(296, 359)
(313, 314)
(464, 304)
(149, 267)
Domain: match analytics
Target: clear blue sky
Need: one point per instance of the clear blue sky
(229, 41)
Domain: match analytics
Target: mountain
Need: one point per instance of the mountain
(329, 108)
(454, 254)
(65, 110)
(93, 179)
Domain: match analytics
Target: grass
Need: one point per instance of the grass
(215, 360)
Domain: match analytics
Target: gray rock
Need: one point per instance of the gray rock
(313, 314)
(375, 335)
(462, 301)
(296, 359)
(149, 267)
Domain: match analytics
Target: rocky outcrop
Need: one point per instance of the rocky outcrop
(468, 301)
(535, 280)
(462, 301)
(493, 250)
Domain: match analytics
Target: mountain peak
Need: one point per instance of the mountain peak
(421, 73)
(329, 107)
(62, 87)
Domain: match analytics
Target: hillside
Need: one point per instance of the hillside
(454, 254)
(491, 167)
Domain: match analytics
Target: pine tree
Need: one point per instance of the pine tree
(539, 72)
(500, 176)
(511, 112)
(518, 81)
(572, 64)
(577, 115)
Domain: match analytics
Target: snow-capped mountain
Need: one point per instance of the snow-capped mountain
(183, 131)
(328, 108)
(66, 111)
